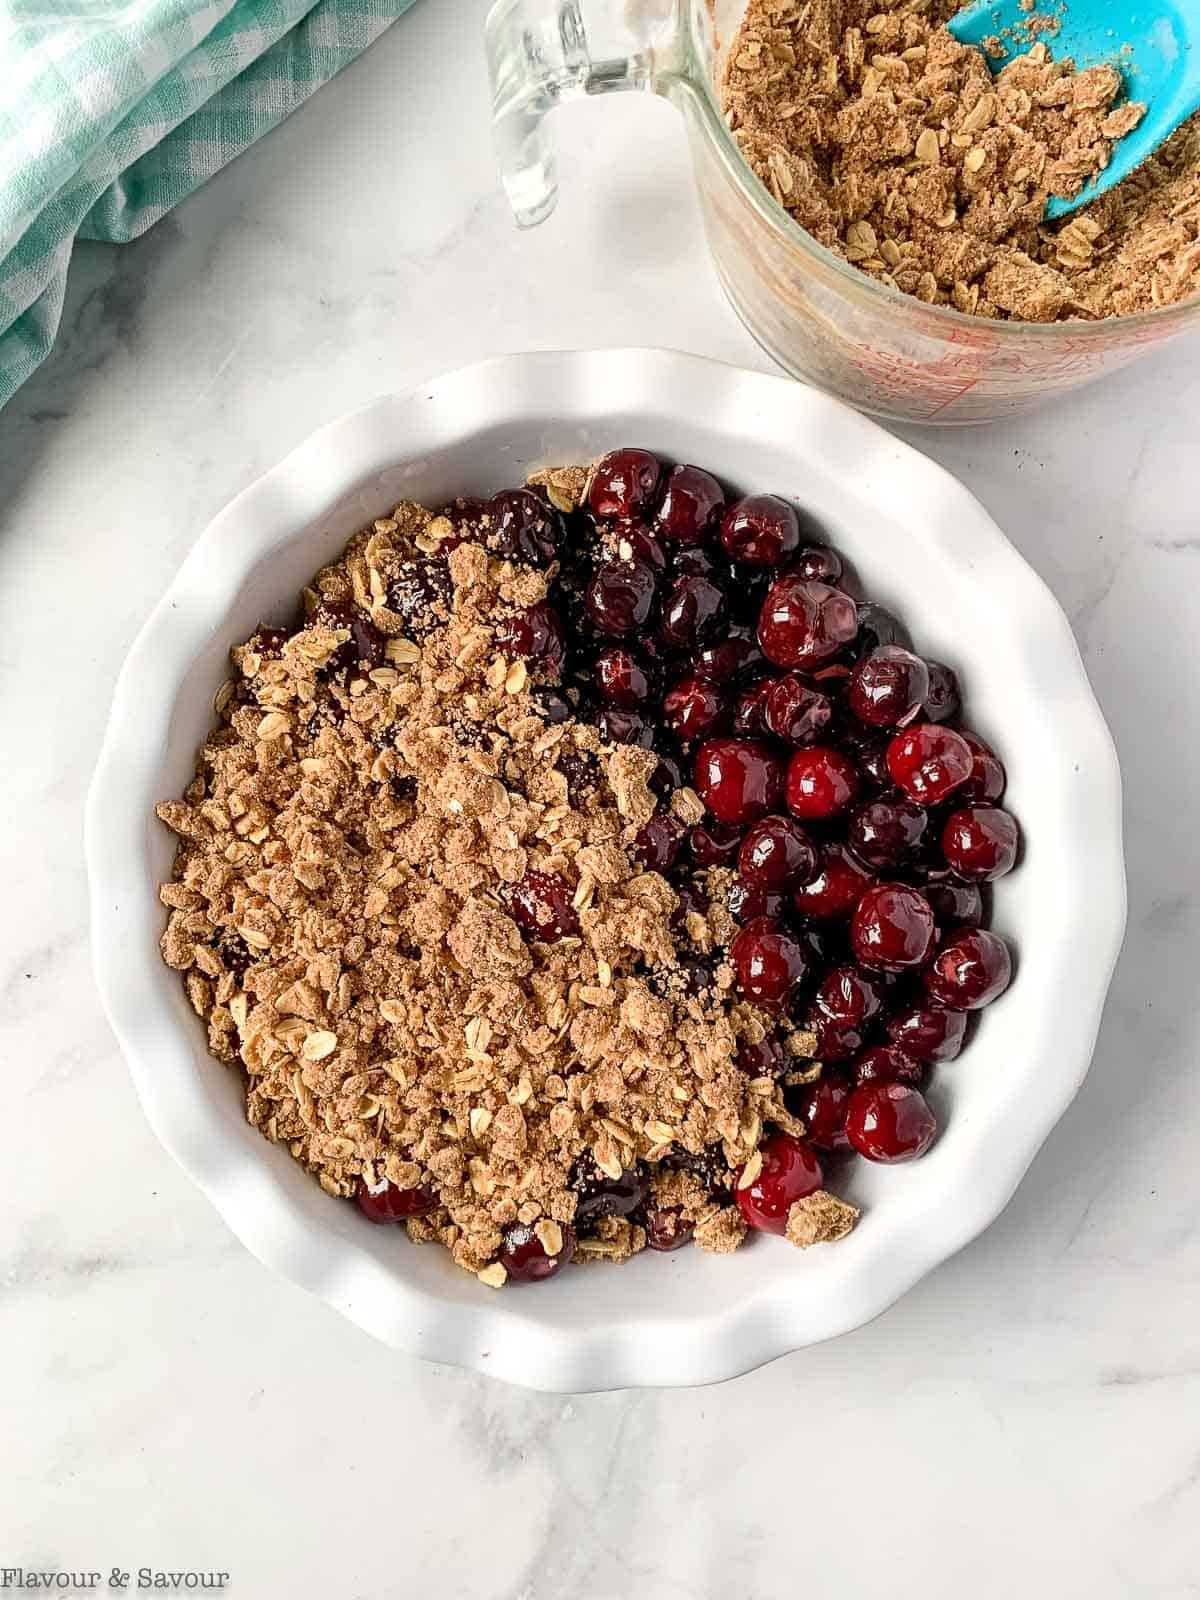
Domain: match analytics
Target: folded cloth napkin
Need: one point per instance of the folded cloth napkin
(110, 114)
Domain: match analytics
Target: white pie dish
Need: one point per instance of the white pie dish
(921, 544)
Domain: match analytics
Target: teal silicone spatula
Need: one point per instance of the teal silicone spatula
(1160, 66)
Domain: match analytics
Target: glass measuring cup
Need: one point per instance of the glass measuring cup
(814, 313)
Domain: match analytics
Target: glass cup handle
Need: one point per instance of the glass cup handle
(542, 52)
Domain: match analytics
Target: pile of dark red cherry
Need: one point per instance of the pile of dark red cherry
(860, 821)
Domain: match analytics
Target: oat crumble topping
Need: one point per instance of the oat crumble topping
(817, 1218)
(340, 912)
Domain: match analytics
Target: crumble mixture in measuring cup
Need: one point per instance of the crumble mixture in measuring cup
(894, 145)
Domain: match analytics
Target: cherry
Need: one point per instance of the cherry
(690, 505)
(734, 657)
(690, 975)
(892, 928)
(694, 610)
(774, 852)
(534, 634)
(667, 1228)
(868, 750)
(366, 645)
(980, 842)
(659, 843)
(540, 905)
(465, 514)
(622, 679)
(746, 901)
(739, 780)
(708, 1165)
(749, 708)
(422, 594)
(822, 1106)
(550, 704)
(694, 709)
(820, 562)
(821, 781)
(789, 1172)
(268, 642)
(525, 1258)
(803, 623)
(697, 561)
(582, 771)
(602, 1196)
(970, 969)
(887, 686)
(769, 962)
(715, 844)
(889, 1122)
(988, 778)
(876, 626)
(849, 997)
(620, 596)
(690, 898)
(666, 777)
(835, 1041)
(888, 1064)
(638, 544)
(954, 904)
(761, 530)
(828, 943)
(925, 864)
(793, 710)
(840, 883)
(524, 527)
(235, 953)
(624, 727)
(929, 1032)
(766, 1059)
(941, 699)
(832, 677)
(929, 762)
(624, 483)
(884, 832)
(747, 593)
(384, 1202)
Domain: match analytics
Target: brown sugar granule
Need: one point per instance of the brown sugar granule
(894, 145)
(344, 902)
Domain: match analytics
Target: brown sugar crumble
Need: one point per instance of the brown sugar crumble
(383, 783)
(819, 1217)
(894, 146)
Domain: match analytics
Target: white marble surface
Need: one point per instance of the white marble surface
(1025, 1422)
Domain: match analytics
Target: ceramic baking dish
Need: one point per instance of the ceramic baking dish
(922, 545)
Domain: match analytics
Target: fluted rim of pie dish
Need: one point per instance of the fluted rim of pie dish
(596, 1335)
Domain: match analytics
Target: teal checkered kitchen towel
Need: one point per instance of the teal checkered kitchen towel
(110, 113)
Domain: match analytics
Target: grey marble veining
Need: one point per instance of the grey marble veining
(1024, 1423)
